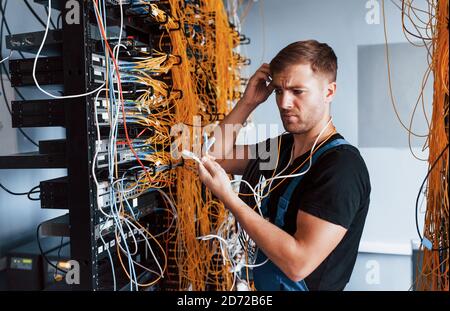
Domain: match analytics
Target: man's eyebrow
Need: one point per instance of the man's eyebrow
(298, 86)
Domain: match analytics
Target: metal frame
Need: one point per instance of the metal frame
(80, 196)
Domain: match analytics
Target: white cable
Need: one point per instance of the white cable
(212, 236)
(190, 155)
(94, 160)
(126, 235)
(145, 268)
(6, 58)
(234, 280)
(148, 245)
(262, 184)
(173, 212)
(255, 194)
(310, 159)
(111, 159)
(37, 57)
(123, 237)
(118, 220)
(256, 265)
(97, 185)
(122, 196)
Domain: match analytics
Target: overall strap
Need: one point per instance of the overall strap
(294, 183)
(283, 202)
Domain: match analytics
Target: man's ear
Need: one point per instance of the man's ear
(330, 92)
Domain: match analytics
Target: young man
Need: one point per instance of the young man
(313, 217)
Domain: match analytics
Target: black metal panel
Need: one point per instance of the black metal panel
(44, 78)
(38, 113)
(32, 160)
(30, 41)
(139, 24)
(44, 64)
(52, 146)
(54, 193)
(58, 226)
(49, 70)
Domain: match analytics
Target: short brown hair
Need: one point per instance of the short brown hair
(320, 56)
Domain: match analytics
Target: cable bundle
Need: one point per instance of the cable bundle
(209, 78)
(435, 265)
(430, 26)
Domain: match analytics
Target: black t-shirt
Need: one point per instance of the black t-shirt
(335, 189)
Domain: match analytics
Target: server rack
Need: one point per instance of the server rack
(75, 44)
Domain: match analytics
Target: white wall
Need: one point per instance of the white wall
(395, 175)
(19, 216)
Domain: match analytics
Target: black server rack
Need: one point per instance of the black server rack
(75, 44)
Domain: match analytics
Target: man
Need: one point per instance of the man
(312, 222)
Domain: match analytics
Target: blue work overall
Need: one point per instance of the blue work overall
(269, 277)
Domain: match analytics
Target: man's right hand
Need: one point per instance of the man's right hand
(257, 90)
(235, 159)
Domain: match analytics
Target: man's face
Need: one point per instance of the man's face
(303, 97)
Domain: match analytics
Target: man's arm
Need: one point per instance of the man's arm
(297, 256)
(232, 158)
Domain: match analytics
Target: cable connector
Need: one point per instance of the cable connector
(190, 155)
